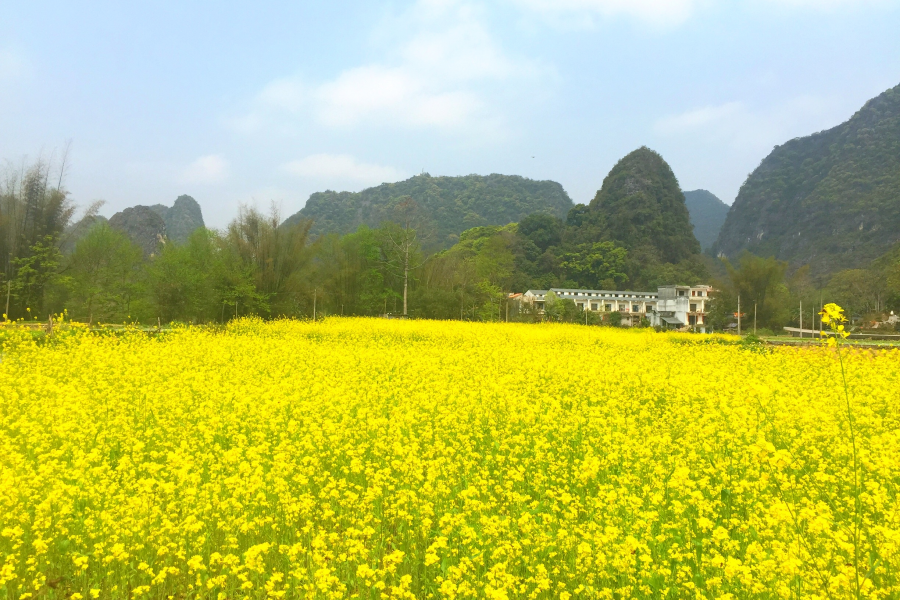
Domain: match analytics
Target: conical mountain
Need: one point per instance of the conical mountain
(183, 218)
(642, 207)
(830, 200)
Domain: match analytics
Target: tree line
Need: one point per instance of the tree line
(257, 265)
(260, 265)
(775, 297)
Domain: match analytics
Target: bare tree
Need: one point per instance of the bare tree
(33, 215)
(404, 243)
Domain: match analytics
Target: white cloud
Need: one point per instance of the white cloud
(830, 4)
(284, 94)
(667, 14)
(209, 169)
(342, 167)
(447, 75)
(739, 126)
(658, 13)
(397, 95)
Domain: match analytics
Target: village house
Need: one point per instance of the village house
(670, 307)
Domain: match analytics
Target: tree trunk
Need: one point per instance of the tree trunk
(405, 274)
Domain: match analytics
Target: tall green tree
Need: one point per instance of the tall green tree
(600, 265)
(859, 291)
(277, 257)
(105, 276)
(760, 283)
(351, 273)
(35, 272)
(34, 211)
(200, 280)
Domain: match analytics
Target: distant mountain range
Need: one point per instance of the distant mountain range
(830, 200)
(146, 226)
(448, 205)
(707, 216)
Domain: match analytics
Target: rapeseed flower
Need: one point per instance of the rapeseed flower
(362, 458)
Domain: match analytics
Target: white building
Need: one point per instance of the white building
(670, 307)
(682, 306)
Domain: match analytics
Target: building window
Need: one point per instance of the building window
(593, 306)
(608, 307)
(681, 292)
(636, 308)
(693, 308)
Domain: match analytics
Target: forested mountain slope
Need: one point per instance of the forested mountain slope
(448, 205)
(641, 207)
(708, 214)
(636, 233)
(830, 200)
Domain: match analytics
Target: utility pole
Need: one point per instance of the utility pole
(821, 308)
(507, 309)
(801, 319)
(8, 288)
(739, 314)
(315, 292)
(754, 318)
(405, 268)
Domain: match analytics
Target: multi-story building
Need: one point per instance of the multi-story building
(682, 306)
(671, 306)
(633, 306)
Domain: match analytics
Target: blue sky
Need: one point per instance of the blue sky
(250, 103)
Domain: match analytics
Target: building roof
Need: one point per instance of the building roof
(620, 294)
(672, 321)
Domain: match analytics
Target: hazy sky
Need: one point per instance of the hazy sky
(259, 102)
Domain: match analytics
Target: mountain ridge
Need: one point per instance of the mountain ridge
(449, 205)
(146, 226)
(830, 200)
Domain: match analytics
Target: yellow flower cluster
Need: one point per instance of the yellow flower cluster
(357, 458)
(833, 316)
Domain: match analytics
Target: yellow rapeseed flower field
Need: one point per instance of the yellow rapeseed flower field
(362, 458)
